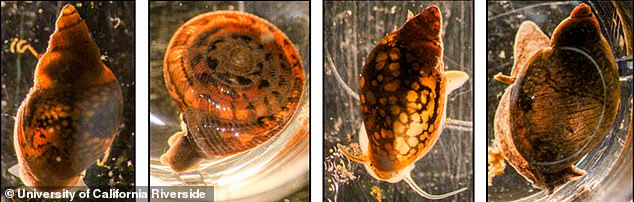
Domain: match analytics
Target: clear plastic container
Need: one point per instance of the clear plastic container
(351, 30)
(274, 170)
(609, 165)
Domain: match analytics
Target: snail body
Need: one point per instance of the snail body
(237, 81)
(562, 100)
(72, 113)
(403, 93)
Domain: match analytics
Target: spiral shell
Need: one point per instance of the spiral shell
(403, 91)
(562, 100)
(72, 114)
(237, 81)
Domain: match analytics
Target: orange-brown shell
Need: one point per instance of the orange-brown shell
(72, 114)
(236, 78)
(402, 94)
(561, 104)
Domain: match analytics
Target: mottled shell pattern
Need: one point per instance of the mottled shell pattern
(72, 114)
(562, 100)
(403, 90)
(237, 80)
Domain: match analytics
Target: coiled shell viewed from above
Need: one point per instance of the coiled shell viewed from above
(563, 99)
(73, 112)
(403, 93)
(237, 81)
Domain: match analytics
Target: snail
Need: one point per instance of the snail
(237, 81)
(403, 94)
(72, 113)
(562, 100)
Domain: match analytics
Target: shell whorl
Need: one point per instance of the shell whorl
(236, 78)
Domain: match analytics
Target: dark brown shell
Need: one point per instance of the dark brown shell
(237, 80)
(403, 94)
(72, 114)
(561, 104)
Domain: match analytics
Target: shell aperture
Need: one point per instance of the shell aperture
(72, 113)
(563, 99)
(403, 92)
(237, 81)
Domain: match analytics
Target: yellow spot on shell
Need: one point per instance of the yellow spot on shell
(380, 65)
(58, 159)
(403, 117)
(394, 66)
(401, 146)
(395, 109)
(428, 81)
(423, 97)
(383, 101)
(399, 128)
(425, 115)
(381, 57)
(386, 133)
(415, 86)
(394, 54)
(392, 86)
(412, 141)
(415, 117)
(415, 128)
(412, 96)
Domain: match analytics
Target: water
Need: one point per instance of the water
(352, 29)
(112, 27)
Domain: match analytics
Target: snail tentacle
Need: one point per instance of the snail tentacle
(504, 78)
(408, 179)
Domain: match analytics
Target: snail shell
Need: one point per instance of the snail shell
(237, 81)
(72, 114)
(403, 98)
(562, 101)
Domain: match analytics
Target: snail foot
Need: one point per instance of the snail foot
(553, 180)
(50, 185)
(182, 155)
